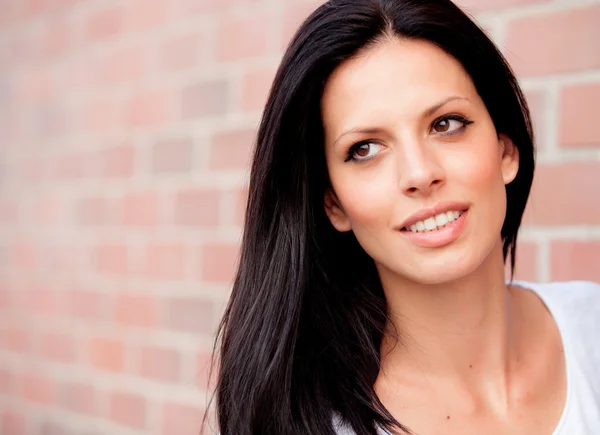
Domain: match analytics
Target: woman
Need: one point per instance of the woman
(392, 167)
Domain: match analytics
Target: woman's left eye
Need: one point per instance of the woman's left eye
(363, 151)
(450, 124)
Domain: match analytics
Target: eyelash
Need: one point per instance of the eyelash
(451, 117)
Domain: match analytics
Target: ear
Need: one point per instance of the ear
(335, 212)
(510, 158)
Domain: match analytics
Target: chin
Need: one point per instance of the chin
(437, 271)
(440, 276)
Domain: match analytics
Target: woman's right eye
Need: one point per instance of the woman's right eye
(363, 151)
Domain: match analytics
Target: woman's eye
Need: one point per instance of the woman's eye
(449, 125)
(363, 151)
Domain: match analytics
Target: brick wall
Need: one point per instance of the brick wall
(125, 131)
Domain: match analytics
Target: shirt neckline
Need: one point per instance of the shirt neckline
(566, 342)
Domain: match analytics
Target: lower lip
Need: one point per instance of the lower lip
(437, 238)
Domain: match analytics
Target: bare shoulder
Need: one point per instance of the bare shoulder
(568, 297)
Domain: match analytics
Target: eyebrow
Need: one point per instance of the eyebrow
(375, 130)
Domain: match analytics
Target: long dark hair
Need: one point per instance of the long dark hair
(300, 338)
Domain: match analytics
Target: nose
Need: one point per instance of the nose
(420, 172)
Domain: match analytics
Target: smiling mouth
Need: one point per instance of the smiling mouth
(435, 223)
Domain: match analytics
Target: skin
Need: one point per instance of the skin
(474, 355)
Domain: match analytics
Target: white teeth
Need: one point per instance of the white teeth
(441, 220)
(435, 223)
(430, 224)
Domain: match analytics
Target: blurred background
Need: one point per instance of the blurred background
(126, 129)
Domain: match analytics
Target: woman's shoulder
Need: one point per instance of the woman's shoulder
(575, 306)
(569, 294)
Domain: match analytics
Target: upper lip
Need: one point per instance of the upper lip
(432, 211)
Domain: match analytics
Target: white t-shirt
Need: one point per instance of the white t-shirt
(575, 306)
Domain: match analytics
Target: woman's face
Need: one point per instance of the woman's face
(418, 171)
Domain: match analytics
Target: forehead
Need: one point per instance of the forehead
(396, 75)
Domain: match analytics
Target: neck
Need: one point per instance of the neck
(460, 332)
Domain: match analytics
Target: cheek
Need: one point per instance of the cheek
(366, 202)
(481, 165)
(483, 179)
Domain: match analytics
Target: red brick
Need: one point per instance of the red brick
(255, 88)
(232, 150)
(208, 6)
(49, 427)
(15, 340)
(117, 162)
(80, 71)
(475, 6)
(150, 108)
(94, 211)
(205, 382)
(181, 52)
(538, 102)
(103, 113)
(111, 259)
(149, 15)
(128, 410)
(49, 211)
(240, 205)
(13, 423)
(25, 256)
(188, 7)
(34, 170)
(88, 305)
(565, 195)
(219, 263)
(37, 388)
(106, 354)
(45, 300)
(555, 43)
(197, 207)
(243, 38)
(191, 315)
(55, 40)
(6, 297)
(35, 7)
(105, 23)
(172, 156)
(71, 165)
(526, 268)
(294, 15)
(62, 259)
(125, 66)
(205, 99)
(50, 120)
(35, 86)
(79, 398)
(575, 260)
(7, 382)
(160, 364)
(58, 347)
(580, 105)
(9, 211)
(181, 419)
(165, 261)
(141, 209)
(9, 12)
(136, 310)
